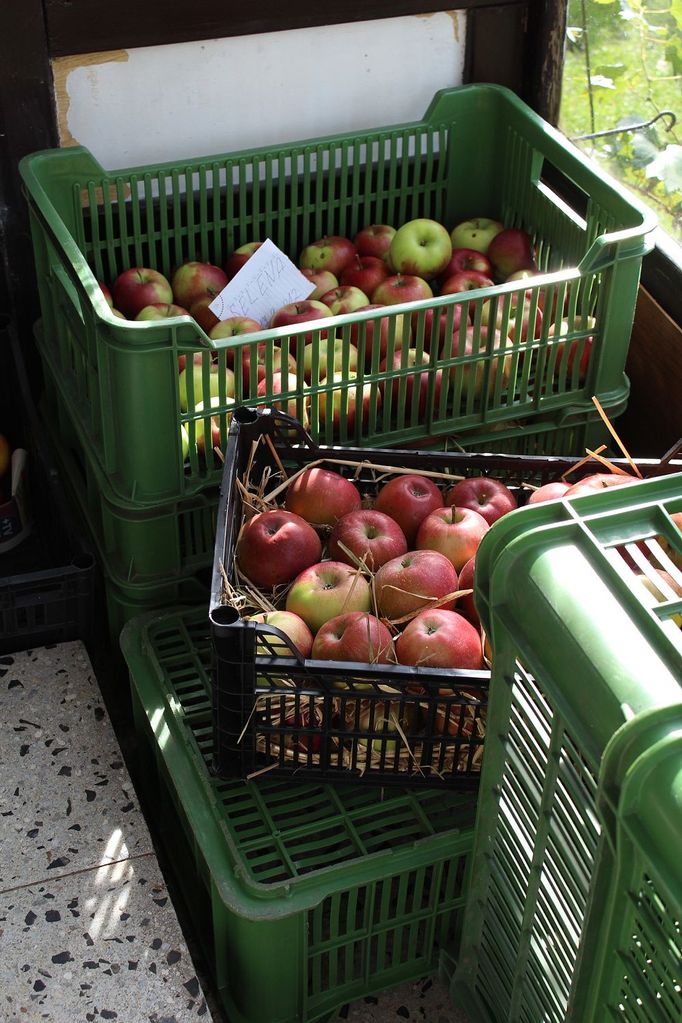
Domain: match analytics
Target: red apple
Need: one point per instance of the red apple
(421, 248)
(409, 499)
(472, 372)
(235, 326)
(108, 297)
(206, 319)
(239, 257)
(302, 731)
(138, 287)
(476, 233)
(240, 326)
(490, 497)
(5, 454)
(410, 358)
(510, 251)
(465, 603)
(452, 313)
(291, 625)
(401, 288)
(344, 400)
(344, 299)
(326, 590)
(343, 354)
(453, 532)
(437, 638)
(354, 636)
(295, 313)
(322, 496)
(465, 280)
(194, 280)
(274, 547)
(518, 326)
(413, 582)
(370, 535)
(467, 259)
(548, 492)
(332, 252)
(160, 311)
(283, 384)
(578, 348)
(323, 280)
(395, 327)
(365, 273)
(374, 240)
(597, 482)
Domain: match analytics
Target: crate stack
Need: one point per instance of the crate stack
(313, 889)
(113, 386)
(575, 907)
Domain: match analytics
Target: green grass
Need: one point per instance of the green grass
(630, 79)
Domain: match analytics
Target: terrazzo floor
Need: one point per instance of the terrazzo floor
(88, 928)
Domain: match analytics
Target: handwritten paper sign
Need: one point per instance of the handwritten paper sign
(267, 281)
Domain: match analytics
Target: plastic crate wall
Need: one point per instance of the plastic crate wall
(574, 912)
(122, 378)
(308, 897)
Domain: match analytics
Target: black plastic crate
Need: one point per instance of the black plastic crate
(46, 582)
(301, 718)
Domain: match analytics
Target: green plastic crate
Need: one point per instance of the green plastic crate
(306, 896)
(478, 150)
(576, 906)
(140, 546)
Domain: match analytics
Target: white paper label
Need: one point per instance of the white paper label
(267, 281)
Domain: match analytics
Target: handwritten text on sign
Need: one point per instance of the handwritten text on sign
(267, 281)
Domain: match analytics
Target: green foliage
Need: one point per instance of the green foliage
(623, 67)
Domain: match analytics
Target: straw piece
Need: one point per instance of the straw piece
(614, 469)
(615, 436)
(278, 460)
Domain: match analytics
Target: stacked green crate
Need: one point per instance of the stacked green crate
(478, 150)
(306, 895)
(575, 908)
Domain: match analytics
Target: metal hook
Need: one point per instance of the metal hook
(631, 127)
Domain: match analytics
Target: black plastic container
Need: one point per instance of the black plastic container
(321, 719)
(47, 582)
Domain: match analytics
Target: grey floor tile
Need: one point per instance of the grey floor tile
(66, 799)
(99, 945)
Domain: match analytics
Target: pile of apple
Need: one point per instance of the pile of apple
(381, 266)
(389, 583)
(388, 579)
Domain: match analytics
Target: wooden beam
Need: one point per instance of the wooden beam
(546, 36)
(652, 422)
(27, 123)
(89, 26)
(496, 45)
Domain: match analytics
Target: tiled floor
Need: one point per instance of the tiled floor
(84, 909)
(85, 914)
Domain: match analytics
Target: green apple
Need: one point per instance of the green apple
(476, 233)
(200, 426)
(291, 625)
(214, 382)
(420, 248)
(342, 353)
(326, 590)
